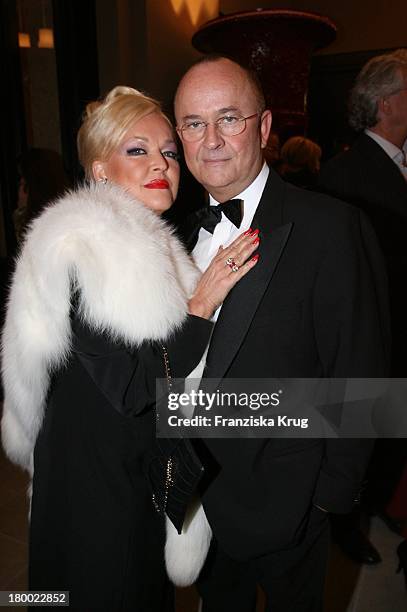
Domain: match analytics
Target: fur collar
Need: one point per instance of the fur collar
(133, 280)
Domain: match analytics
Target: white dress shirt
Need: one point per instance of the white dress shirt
(224, 233)
(398, 156)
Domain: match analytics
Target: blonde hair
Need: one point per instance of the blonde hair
(106, 121)
(300, 152)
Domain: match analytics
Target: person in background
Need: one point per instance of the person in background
(42, 179)
(397, 510)
(300, 162)
(272, 149)
(372, 175)
(103, 300)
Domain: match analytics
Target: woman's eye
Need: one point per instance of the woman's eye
(171, 155)
(136, 151)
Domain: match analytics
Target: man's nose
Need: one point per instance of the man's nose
(212, 138)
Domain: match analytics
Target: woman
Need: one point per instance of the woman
(300, 162)
(100, 287)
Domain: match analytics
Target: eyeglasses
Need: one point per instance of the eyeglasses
(229, 125)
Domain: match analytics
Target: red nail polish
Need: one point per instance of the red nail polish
(256, 231)
(255, 258)
(256, 241)
(249, 231)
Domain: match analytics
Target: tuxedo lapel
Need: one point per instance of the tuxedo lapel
(241, 304)
(390, 176)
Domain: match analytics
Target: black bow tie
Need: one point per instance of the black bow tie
(233, 209)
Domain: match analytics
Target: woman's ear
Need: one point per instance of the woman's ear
(98, 171)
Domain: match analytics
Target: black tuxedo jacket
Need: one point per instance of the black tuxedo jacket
(366, 177)
(314, 306)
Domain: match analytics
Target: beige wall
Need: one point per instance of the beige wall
(39, 79)
(170, 27)
(146, 43)
(122, 43)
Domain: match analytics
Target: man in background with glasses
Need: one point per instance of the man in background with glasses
(313, 306)
(372, 175)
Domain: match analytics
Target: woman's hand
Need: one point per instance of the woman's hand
(226, 269)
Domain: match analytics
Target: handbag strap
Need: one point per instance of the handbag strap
(167, 367)
(169, 480)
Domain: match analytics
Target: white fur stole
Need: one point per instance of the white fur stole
(133, 279)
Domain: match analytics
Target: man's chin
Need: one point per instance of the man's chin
(216, 179)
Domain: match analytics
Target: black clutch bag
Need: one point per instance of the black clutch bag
(174, 471)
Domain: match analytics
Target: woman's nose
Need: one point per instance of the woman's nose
(159, 162)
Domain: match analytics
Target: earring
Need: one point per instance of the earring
(103, 180)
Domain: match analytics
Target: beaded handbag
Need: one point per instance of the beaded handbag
(174, 470)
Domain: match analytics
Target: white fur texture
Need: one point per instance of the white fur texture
(185, 553)
(133, 279)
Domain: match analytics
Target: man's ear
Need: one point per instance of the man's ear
(265, 126)
(383, 107)
(98, 171)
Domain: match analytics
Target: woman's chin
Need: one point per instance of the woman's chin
(157, 205)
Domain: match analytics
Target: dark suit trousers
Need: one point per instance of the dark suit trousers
(293, 579)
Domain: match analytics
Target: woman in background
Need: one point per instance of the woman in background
(300, 162)
(102, 289)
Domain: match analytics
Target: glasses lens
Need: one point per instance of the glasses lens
(193, 131)
(231, 126)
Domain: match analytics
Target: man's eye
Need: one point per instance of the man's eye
(228, 120)
(171, 155)
(194, 125)
(136, 151)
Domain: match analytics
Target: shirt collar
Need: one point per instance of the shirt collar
(388, 147)
(251, 195)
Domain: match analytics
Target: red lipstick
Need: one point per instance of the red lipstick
(157, 184)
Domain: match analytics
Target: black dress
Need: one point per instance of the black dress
(94, 531)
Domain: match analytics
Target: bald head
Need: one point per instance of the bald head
(228, 65)
(220, 89)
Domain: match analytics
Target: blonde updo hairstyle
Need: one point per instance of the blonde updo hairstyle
(106, 121)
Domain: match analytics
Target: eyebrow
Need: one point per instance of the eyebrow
(146, 139)
(226, 109)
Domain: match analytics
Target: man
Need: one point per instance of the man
(372, 174)
(311, 307)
